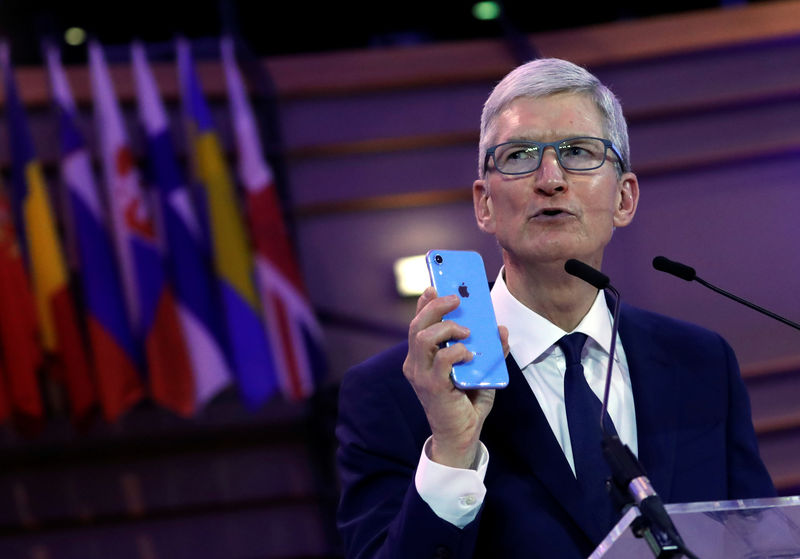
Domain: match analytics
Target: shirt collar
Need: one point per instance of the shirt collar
(531, 337)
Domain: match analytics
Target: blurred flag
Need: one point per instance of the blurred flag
(149, 297)
(19, 332)
(188, 265)
(253, 363)
(116, 360)
(130, 219)
(58, 319)
(291, 326)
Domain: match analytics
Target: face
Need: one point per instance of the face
(551, 215)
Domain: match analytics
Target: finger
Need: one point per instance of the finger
(504, 339)
(427, 296)
(443, 361)
(453, 354)
(433, 311)
(430, 339)
(433, 377)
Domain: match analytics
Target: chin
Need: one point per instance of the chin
(560, 254)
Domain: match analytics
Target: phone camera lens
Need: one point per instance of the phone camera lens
(438, 258)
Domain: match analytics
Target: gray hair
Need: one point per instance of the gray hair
(547, 76)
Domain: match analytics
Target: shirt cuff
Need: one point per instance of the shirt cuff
(454, 494)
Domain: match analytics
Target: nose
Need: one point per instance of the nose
(549, 177)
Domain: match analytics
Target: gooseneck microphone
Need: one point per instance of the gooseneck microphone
(599, 280)
(627, 473)
(590, 275)
(687, 273)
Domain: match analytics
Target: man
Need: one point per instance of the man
(431, 471)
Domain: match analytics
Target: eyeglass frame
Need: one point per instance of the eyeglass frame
(544, 145)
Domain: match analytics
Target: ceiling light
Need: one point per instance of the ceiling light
(486, 11)
(75, 36)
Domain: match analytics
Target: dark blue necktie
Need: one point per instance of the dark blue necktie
(583, 418)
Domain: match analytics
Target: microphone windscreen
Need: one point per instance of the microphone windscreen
(675, 268)
(588, 274)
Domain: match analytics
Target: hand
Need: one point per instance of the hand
(455, 416)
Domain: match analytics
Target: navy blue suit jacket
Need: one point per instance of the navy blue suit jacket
(695, 438)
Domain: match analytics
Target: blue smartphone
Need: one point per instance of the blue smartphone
(462, 273)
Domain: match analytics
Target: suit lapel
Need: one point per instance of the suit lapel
(655, 397)
(518, 425)
(518, 428)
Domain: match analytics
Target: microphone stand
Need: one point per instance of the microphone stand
(688, 273)
(627, 474)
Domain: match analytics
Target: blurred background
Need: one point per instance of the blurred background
(196, 250)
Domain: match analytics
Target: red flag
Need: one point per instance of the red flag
(38, 237)
(19, 333)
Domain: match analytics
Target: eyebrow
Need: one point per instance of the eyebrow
(562, 137)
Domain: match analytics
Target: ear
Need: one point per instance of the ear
(482, 204)
(628, 200)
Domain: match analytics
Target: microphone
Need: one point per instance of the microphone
(598, 279)
(627, 473)
(677, 269)
(687, 273)
(588, 274)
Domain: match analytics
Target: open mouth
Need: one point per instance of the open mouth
(552, 212)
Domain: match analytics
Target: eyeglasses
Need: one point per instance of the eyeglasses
(574, 154)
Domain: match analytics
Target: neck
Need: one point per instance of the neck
(550, 292)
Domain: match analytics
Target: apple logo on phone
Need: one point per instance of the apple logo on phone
(463, 290)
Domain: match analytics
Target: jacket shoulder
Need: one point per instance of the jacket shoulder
(383, 367)
(665, 327)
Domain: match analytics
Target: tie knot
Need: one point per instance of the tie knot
(572, 345)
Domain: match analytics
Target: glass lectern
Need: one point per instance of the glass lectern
(749, 528)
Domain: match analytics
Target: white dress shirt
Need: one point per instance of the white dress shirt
(456, 494)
